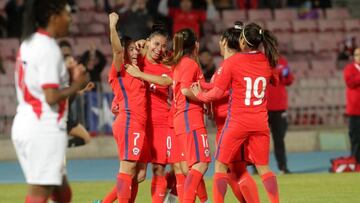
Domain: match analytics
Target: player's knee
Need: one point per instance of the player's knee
(158, 170)
(262, 169)
(220, 167)
(201, 167)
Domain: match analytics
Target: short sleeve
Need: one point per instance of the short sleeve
(50, 67)
(223, 77)
(189, 73)
(112, 73)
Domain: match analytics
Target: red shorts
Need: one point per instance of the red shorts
(130, 141)
(176, 152)
(159, 142)
(235, 145)
(196, 146)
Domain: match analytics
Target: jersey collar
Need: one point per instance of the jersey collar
(43, 32)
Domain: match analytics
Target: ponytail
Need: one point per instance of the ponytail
(184, 42)
(254, 35)
(270, 47)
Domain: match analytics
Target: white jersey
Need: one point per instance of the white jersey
(40, 65)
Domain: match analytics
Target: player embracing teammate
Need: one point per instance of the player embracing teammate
(246, 75)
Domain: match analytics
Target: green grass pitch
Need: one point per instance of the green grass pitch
(297, 188)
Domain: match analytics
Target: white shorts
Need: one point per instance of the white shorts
(41, 151)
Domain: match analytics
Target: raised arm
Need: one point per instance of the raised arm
(117, 49)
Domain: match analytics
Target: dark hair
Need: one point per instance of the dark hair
(125, 42)
(64, 43)
(254, 36)
(37, 14)
(232, 35)
(159, 29)
(184, 42)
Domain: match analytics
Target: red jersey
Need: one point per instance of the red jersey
(247, 76)
(158, 107)
(191, 19)
(130, 97)
(220, 107)
(277, 97)
(352, 80)
(188, 115)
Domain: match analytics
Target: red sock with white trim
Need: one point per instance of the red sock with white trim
(180, 182)
(158, 189)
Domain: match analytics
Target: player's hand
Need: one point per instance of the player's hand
(89, 87)
(140, 44)
(79, 76)
(113, 19)
(196, 88)
(133, 70)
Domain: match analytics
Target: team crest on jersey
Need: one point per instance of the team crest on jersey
(207, 152)
(136, 151)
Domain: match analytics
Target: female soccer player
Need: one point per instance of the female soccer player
(246, 75)
(229, 45)
(188, 114)
(129, 125)
(42, 86)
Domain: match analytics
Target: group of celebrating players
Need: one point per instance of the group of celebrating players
(159, 106)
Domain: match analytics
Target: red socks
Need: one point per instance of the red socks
(236, 170)
(180, 181)
(201, 191)
(248, 188)
(134, 190)
(35, 199)
(220, 186)
(158, 189)
(171, 182)
(111, 196)
(270, 184)
(192, 182)
(123, 185)
(62, 194)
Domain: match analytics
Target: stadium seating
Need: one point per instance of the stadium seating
(285, 14)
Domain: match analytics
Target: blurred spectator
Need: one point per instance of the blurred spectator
(94, 61)
(352, 80)
(186, 16)
(323, 4)
(118, 6)
(277, 99)
(306, 11)
(66, 48)
(224, 4)
(345, 54)
(73, 5)
(272, 4)
(247, 4)
(136, 22)
(207, 64)
(2, 27)
(2, 69)
(14, 11)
